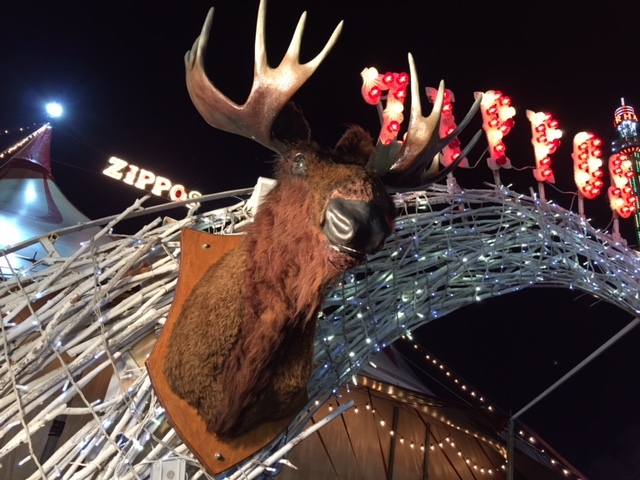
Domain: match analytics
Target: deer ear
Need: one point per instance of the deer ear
(355, 146)
(290, 126)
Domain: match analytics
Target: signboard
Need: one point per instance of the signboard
(148, 181)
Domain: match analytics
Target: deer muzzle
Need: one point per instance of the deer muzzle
(356, 227)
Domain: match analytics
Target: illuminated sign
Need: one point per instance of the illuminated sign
(146, 180)
(625, 112)
(497, 121)
(621, 197)
(452, 151)
(373, 85)
(586, 164)
(545, 138)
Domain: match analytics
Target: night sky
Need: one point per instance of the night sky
(118, 69)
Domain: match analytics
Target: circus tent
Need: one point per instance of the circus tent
(31, 204)
(398, 428)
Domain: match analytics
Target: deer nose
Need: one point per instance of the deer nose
(356, 226)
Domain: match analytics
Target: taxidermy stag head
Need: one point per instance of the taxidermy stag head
(242, 347)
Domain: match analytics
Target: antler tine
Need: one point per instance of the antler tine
(439, 175)
(271, 90)
(292, 57)
(433, 175)
(422, 132)
(416, 164)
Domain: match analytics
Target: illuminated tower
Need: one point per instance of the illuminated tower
(626, 123)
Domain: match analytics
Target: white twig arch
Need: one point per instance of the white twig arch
(67, 319)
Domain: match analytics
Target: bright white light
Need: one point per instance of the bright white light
(30, 193)
(54, 109)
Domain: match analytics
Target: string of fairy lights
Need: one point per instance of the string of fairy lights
(17, 146)
(471, 396)
(16, 130)
(405, 440)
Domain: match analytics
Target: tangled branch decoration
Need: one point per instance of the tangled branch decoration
(87, 313)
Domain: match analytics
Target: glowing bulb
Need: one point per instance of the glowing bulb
(54, 109)
(370, 74)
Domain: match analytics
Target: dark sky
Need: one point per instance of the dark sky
(118, 69)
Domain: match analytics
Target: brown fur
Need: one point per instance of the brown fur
(241, 351)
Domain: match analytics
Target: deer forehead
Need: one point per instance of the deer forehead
(327, 177)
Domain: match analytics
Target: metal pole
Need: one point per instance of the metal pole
(392, 446)
(512, 418)
(602, 348)
(425, 457)
(511, 449)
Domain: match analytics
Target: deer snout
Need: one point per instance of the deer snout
(356, 227)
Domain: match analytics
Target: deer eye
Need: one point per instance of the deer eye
(299, 164)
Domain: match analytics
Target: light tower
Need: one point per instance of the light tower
(628, 143)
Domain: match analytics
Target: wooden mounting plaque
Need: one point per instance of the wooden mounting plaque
(199, 251)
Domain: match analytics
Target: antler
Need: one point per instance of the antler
(271, 90)
(412, 163)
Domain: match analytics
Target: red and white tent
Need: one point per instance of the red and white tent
(31, 205)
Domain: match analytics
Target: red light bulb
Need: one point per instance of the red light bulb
(400, 95)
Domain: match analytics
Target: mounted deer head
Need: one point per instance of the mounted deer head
(241, 350)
